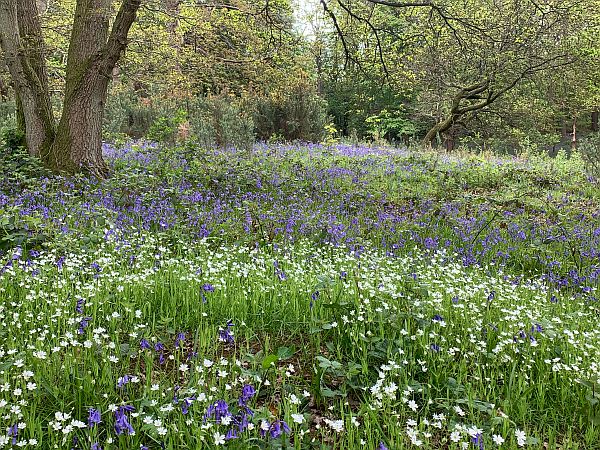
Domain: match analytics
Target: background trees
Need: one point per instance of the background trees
(463, 68)
(500, 73)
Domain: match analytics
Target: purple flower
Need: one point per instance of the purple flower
(281, 275)
(122, 424)
(144, 344)
(13, 431)
(185, 405)
(491, 296)
(277, 428)
(435, 347)
(430, 243)
(94, 417)
(225, 335)
(95, 446)
(477, 440)
(122, 381)
(382, 446)
(180, 339)
(83, 324)
(207, 287)
(231, 434)
(159, 348)
(247, 393)
(217, 410)
(80, 304)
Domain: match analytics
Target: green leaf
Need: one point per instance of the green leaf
(327, 364)
(285, 352)
(269, 360)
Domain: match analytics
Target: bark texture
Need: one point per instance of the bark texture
(75, 144)
(22, 43)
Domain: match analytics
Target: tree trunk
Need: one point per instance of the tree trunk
(23, 50)
(595, 126)
(439, 129)
(76, 145)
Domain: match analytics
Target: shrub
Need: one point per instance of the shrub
(297, 114)
(589, 150)
(17, 165)
(222, 119)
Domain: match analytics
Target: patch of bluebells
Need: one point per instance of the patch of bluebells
(334, 215)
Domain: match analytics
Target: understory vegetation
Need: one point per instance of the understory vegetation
(301, 296)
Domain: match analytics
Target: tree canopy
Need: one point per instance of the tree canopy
(438, 71)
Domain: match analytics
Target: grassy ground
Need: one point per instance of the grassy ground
(302, 297)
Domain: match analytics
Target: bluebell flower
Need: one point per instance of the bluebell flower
(83, 324)
(231, 434)
(281, 275)
(217, 410)
(144, 344)
(207, 287)
(94, 417)
(382, 446)
(247, 393)
(435, 347)
(122, 381)
(13, 431)
(477, 440)
(279, 427)
(180, 339)
(80, 304)
(159, 348)
(185, 405)
(225, 335)
(122, 424)
(95, 446)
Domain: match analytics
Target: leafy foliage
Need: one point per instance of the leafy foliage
(16, 164)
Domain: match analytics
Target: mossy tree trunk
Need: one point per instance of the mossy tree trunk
(75, 143)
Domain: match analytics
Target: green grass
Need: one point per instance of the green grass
(366, 348)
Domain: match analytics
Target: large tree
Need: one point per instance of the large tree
(75, 142)
(460, 57)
